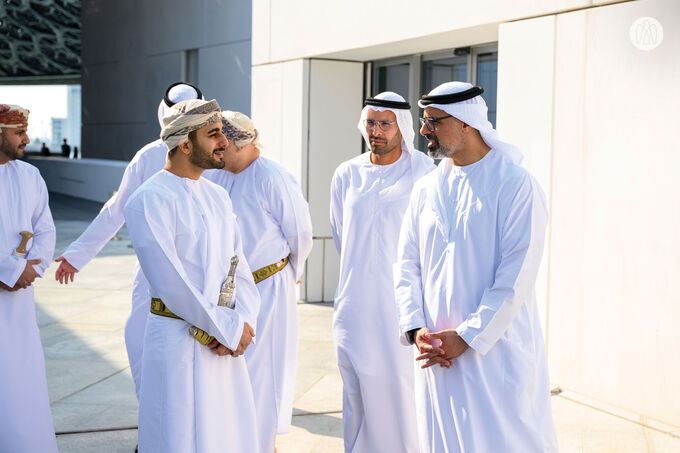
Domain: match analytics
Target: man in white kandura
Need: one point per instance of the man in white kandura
(193, 397)
(277, 237)
(147, 162)
(369, 195)
(469, 251)
(27, 238)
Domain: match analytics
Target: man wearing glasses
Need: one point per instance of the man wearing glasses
(369, 195)
(469, 251)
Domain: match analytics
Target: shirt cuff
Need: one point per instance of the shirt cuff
(11, 279)
(236, 338)
(472, 338)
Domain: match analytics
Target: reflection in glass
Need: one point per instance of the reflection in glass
(487, 78)
(393, 78)
(436, 72)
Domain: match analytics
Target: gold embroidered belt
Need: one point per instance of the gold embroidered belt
(267, 271)
(160, 309)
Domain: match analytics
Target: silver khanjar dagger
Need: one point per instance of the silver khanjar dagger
(225, 300)
(227, 291)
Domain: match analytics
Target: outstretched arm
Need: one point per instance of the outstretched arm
(109, 220)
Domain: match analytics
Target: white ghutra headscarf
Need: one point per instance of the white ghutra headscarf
(402, 112)
(463, 101)
(389, 101)
(177, 92)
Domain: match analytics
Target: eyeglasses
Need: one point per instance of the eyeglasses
(383, 125)
(430, 122)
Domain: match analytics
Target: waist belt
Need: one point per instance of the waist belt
(267, 271)
(160, 309)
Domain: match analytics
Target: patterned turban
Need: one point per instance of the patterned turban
(13, 116)
(186, 117)
(238, 128)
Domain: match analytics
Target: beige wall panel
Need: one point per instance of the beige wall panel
(525, 87)
(614, 307)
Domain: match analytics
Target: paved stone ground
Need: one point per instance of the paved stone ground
(92, 393)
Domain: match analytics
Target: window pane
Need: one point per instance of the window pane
(487, 78)
(437, 72)
(393, 78)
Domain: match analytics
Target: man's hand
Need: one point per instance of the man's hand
(218, 348)
(433, 354)
(65, 271)
(449, 342)
(29, 274)
(7, 288)
(246, 338)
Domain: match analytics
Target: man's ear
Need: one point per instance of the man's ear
(185, 147)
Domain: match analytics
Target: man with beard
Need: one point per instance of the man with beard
(369, 195)
(469, 251)
(147, 162)
(277, 239)
(27, 238)
(193, 398)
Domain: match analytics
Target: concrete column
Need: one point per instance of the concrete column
(306, 111)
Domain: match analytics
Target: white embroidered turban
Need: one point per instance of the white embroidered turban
(240, 129)
(186, 117)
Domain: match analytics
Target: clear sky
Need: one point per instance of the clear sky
(44, 102)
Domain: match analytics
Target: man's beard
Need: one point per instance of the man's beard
(383, 147)
(203, 158)
(435, 150)
(11, 152)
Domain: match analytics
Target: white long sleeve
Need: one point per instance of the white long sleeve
(521, 247)
(291, 210)
(408, 287)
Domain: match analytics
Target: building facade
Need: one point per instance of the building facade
(586, 88)
(131, 51)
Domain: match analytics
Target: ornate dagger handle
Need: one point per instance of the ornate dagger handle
(225, 300)
(21, 250)
(227, 292)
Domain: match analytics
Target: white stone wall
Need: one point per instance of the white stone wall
(597, 127)
(90, 179)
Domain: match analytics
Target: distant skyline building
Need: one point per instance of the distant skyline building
(59, 126)
(73, 119)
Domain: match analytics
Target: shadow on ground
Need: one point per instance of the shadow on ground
(92, 396)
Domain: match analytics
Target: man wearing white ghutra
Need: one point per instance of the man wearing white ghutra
(369, 195)
(469, 251)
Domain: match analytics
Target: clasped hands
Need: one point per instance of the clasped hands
(439, 347)
(246, 338)
(26, 278)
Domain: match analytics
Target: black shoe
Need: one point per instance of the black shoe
(136, 449)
